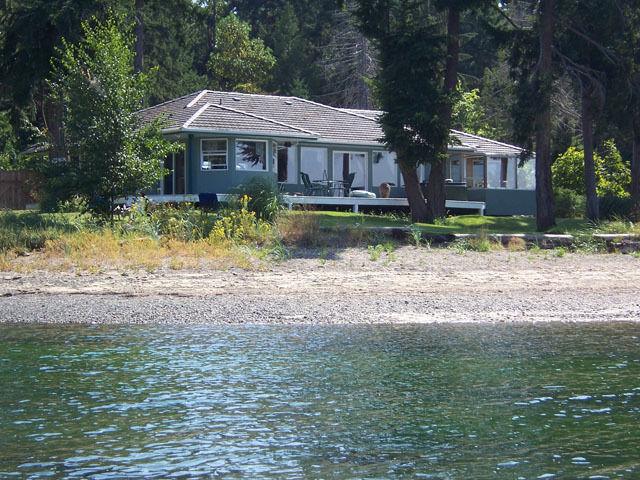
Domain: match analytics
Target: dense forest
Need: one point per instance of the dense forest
(551, 74)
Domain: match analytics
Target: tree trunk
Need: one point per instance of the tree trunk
(589, 164)
(435, 187)
(415, 197)
(635, 172)
(436, 200)
(138, 62)
(212, 22)
(545, 205)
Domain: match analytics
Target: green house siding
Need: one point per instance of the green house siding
(502, 201)
(498, 201)
(222, 181)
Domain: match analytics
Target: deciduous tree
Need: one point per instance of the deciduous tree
(110, 153)
(239, 62)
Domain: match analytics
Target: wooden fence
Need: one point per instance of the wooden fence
(16, 189)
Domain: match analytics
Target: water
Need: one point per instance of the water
(434, 401)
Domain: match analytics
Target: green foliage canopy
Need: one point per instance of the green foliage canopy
(239, 62)
(110, 152)
(613, 175)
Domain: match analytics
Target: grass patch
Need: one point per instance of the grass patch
(457, 224)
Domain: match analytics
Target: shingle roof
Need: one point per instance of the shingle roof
(293, 117)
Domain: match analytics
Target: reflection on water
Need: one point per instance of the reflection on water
(431, 401)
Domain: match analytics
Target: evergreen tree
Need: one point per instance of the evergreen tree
(416, 87)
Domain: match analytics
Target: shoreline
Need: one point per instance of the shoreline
(407, 286)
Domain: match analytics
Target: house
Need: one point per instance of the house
(231, 137)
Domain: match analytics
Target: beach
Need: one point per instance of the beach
(406, 285)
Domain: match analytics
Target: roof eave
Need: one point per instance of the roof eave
(237, 133)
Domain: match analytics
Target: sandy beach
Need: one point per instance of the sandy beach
(408, 286)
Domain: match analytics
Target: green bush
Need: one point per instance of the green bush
(613, 175)
(569, 204)
(183, 222)
(264, 198)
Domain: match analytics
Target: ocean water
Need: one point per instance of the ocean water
(426, 401)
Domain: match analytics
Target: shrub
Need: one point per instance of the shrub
(613, 175)
(301, 229)
(240, 225)
(569, 204)
(264, 197)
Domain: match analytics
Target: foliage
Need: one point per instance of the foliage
(174, 43)
(240, 224)
(469, 115)
(111, 154)
(264, 197)
(184, 222)
(376, 251)
(26, 231)
(569, 203)
(239, 62)
(8, 142)
(613, 175)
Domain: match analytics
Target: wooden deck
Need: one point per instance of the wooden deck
(355, 202)
(290, 200)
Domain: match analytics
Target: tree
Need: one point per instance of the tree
(348, 61)
(239, 62)
(110, 153)
(625, 107)
(533, 68)
(586, 56)
(288, 45)
(7, 143)
(612, 174)
(31, 31)
(138, 63)
(416, 87)
(175, 43)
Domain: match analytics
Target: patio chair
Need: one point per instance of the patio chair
(311, 188)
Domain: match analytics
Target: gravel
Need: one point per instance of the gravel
(410, 286)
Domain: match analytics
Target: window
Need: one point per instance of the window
(455, 170)
(499, 175)
(385, 169)
(213, 154)
(313, 161)
(251, 155)
(345, 163)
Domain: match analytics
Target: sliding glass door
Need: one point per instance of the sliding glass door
(345, 163)
(174, 181)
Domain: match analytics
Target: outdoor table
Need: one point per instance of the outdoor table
(335, 188)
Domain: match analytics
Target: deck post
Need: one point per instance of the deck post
(356, 207)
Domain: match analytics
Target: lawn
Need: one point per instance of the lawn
(457, 224)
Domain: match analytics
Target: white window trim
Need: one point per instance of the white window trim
(366, 163)
(226, 143)
(266, 153)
